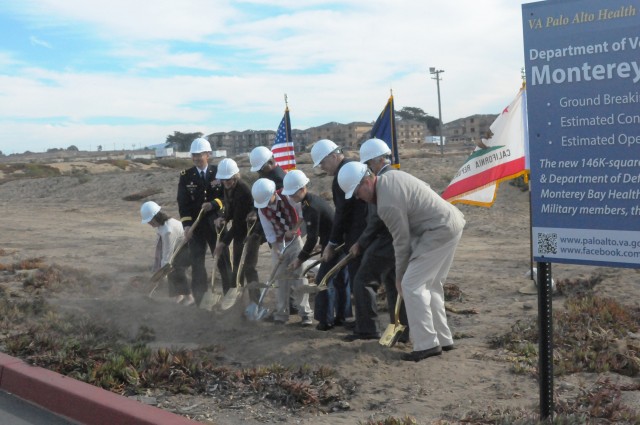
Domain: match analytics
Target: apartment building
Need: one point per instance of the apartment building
(351, 135)
(468, 129)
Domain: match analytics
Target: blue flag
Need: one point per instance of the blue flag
(385, 129)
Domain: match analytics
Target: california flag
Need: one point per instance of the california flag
(497, 158)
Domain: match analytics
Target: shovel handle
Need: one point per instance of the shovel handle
(335, 269)
(184, 243)
(397, 310)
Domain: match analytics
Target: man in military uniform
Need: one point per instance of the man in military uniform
(198, 189)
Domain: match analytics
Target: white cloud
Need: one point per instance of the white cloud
(37, 42)
(189, 20)
(220, 66)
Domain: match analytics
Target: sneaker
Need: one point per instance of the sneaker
(306, 321)
(188, 300)
(179, 299)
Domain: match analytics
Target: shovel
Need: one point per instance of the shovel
(234, 294)
(168, 268)
(214, 293)
(394, 330)
(257, 311)
(314, 289)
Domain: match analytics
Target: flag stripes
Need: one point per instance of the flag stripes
(283, 149)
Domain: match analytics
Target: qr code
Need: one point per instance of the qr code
(547, 243)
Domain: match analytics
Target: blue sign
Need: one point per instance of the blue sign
(582, 63)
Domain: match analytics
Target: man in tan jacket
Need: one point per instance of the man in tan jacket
(426, 230)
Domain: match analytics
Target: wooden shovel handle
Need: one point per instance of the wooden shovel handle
(335, 269)
(397, 311)
(277, 266)
(184, 243)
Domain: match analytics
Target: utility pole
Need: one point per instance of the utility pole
(437, 72)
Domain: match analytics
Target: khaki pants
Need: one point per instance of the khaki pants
(423, 293)
(286, 280)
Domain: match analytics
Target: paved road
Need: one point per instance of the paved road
(15, 411)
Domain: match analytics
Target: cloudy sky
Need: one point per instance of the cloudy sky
(125, 73)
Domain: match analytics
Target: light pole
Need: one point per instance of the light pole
(437, 72)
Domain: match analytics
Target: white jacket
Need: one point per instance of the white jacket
(171, 234)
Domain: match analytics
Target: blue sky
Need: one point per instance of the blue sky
(128, 73)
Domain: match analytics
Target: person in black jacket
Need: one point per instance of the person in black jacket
(238, 205)
(348, 222)
(198, 189)
(318, 217)
(378, 257)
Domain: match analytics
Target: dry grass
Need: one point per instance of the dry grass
(99, 354)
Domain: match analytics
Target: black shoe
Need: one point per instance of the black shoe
(323, 327)
(449, 347)
(358, 336)
(293, 309)
(416, 356)
(349, 325)
(338, 322)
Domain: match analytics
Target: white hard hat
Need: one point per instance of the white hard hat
(200, 145)
(259, 156)
(262, 190)
(227, 168)
(148, 210)
(321, 149)
(350, 176)
(294, 180)
(373, 148)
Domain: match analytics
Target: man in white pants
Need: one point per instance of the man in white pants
(426, 230)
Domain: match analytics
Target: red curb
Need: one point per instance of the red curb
(77, 400)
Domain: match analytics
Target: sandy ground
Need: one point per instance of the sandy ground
(85, 223)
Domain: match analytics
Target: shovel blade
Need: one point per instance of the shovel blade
(230, 298)
(255, 312)
(209, 300)
(391, 335)
(161, 273)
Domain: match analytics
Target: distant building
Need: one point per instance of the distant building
(237, 142)
(411, 131)
(468, 129)
(349, 136)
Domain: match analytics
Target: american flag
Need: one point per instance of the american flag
(283, 151)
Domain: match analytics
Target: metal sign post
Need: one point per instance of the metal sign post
(545, 340)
